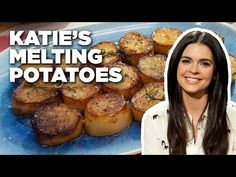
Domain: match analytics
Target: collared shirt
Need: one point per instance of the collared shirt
(155, 124)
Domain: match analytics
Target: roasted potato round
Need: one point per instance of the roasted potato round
(135, 45)
(107, 114)
(164, 38)
(151, 68)
(129, 84)
(145, 98)
(56, 124)
(78, 94)
(27, 99)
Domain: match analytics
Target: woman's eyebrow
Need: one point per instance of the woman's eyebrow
(201, 59)
(186, 57)
(207, 59)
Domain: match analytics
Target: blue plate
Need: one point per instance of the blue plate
(16, 136)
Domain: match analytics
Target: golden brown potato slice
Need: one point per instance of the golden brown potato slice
(152, 68)
(135, 45)
(107, 114)
(164, 38)
(110, 52)
(78, 94)
(129, 84)
(145, 98)
(27, 99)
(44, 85)
(233, 67)
(56, 124)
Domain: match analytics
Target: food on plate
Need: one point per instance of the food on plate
(110, 52)
(79, 93)
(233, 66)
(145, 98)
(45, 85)
(107, 114)
(27, 99)
(151, 68)
(57, 123)
(129, 84)
(164, 38)
(135, 45)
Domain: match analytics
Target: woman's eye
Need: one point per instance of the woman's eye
(185, 61)
(206, 64)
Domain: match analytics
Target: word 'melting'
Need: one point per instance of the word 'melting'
(39, 56)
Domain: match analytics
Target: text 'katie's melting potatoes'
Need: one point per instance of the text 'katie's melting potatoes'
(47, 70)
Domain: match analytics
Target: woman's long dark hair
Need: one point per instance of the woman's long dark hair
(215, 139)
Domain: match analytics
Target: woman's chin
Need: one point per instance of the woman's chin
(196, 93)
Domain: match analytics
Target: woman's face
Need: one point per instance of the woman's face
(195, 69)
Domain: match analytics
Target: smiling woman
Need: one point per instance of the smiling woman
(197, 116)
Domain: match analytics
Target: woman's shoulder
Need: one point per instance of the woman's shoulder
(157, 112)
(231, 112)
(155, 120)
(158, 108)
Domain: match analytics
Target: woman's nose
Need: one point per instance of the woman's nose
(194, 68)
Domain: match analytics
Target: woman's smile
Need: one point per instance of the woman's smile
(192, 80)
